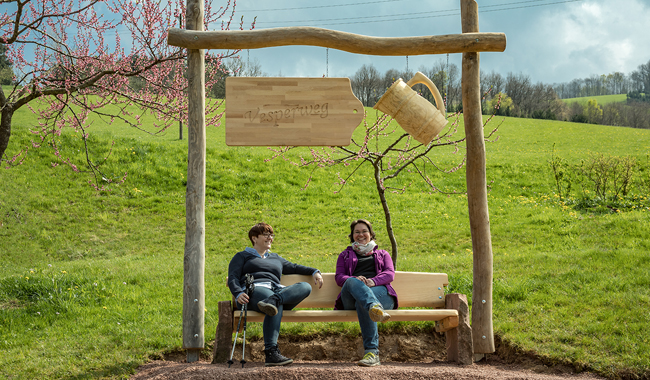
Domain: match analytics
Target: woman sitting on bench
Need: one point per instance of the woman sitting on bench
(269, 297)
(364, 274)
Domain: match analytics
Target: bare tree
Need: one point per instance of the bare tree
(390, 154)
(438, 75)
(454, 89)
(367, 85)
(389, 78)
(496, 82)
(638, 115)
(643, 76)
(239, 67)
(519, 88)
(617, 81)
(538, 101)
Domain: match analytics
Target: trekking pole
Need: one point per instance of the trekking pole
(243, 346)
(250, 287)
(230, 362)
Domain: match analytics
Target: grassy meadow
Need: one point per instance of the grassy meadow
(91, 282)
(601, 99)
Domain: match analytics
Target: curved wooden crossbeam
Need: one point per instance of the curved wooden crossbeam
(350, 42)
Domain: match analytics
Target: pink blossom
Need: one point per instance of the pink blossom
(80, 67)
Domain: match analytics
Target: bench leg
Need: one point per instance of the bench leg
(459, 339)
(223, 337)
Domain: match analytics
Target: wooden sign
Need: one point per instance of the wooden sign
(291, 111)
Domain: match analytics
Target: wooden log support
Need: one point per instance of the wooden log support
(194, 258)
(479, 218)
(350, 42)
(459, 339)
(447, 324)
(223, 336)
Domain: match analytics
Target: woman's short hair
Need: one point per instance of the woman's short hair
(367, 223)
(259, 229)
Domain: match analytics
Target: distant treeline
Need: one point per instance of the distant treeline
(513, 95)
(516, 95)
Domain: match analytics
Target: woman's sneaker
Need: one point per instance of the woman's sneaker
(377, 313)
(274, 357)
(369, 360)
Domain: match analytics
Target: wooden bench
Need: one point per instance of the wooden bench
(424, 291)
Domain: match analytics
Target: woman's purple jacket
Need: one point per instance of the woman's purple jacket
(347, 262)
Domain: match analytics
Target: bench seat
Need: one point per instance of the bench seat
(399, 315)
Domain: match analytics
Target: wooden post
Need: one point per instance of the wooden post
(223, 336)
(479, 218)
(194, 260)
(459, 339)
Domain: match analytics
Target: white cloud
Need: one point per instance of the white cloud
(591, 38)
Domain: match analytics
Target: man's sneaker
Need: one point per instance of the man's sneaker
(269, 306)
(369, 360)
(377, 313)
(274, 357)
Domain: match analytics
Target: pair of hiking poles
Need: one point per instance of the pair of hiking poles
(249, 288)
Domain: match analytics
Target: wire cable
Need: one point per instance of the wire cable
(432, 14)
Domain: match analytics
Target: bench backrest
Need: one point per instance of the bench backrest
(414, 289)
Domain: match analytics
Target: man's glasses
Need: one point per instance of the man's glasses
(269, 236)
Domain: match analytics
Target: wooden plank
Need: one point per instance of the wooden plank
(351, 316)
(350, 42)
(291, 111)
(414, 289)
(447, 324)
(479, 218)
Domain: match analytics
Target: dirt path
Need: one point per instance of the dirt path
(333, 357)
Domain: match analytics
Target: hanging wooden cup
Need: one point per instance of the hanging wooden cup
(413, 113)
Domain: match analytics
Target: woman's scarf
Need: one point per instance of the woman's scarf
(364, 249)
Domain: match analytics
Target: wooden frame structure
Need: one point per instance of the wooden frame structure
(470, 43)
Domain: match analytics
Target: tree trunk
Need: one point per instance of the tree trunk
(5, 125)
(384, 204)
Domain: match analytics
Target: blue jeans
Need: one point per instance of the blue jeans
(290, 296)
(357, 295)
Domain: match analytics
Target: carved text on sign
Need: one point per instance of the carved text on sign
(289, 113)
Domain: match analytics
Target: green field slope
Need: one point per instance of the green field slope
(91, 282)
(601, 99)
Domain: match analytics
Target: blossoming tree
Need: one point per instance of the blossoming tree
(106, 58)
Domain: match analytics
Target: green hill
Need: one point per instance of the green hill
(91, 282)
(601, 99)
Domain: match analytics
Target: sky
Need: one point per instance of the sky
(552, 41)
